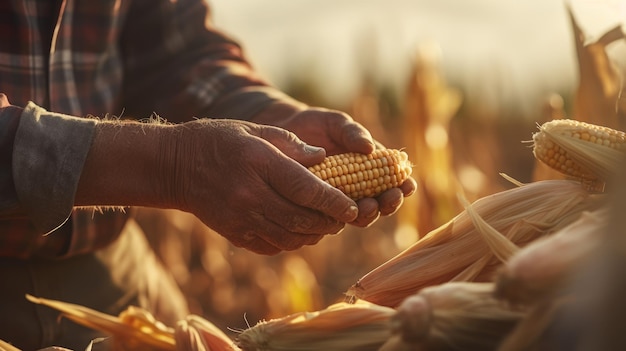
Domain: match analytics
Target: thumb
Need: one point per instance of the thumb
(289, 144)
(299, 185)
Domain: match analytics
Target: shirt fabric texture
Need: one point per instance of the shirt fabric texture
(62, 61)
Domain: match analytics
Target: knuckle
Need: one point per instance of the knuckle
(298, 223)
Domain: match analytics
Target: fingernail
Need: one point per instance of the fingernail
(312, 149)
(352, 212)
(398, 203)
(371, 214)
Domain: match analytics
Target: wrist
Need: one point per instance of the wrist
(172, 156)
(123, 166)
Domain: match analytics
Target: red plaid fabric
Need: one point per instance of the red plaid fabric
(128, 58)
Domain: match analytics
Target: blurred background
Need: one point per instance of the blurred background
(460, 85)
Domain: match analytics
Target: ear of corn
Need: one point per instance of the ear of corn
(456, 251)
(547, 264)
(580, 150)
(530, 332)
(139, 319)
(196, 333)
(342, 326)
(137, 329)
(455, 315)
(5, 346)
(365, 175)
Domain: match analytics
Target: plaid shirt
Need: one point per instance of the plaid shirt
(126, 58)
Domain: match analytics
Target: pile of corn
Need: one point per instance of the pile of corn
(498, 276)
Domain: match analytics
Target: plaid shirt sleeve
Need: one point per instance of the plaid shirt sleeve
(185, 67)
(128, 57)
(9, 120)
(42, 157)
(50, 150)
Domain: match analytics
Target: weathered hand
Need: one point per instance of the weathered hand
(250, 184)
(337, 133)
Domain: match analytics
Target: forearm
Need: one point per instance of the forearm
(60, 162)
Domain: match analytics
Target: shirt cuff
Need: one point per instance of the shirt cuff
(48, 157)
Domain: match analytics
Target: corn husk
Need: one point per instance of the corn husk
(5, 346)
(457, 252)
(136, 329)
(361, 326)
(547, 265)
(195, 333)
(532, 332)
(501, 247)
(452, 316)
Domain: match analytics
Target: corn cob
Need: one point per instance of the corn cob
(361, 326)
(452, 316)
(137, 329)
(580, 150)
(5, 346)
(142, 330)
(364, 175)
(456, 251)
(196, 333)
(536, 272)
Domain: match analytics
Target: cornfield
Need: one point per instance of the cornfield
(474, 260)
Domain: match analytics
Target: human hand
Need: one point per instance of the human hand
(249, 183)
(337, 132)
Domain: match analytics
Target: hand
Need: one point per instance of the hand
(249, 183)
(337, 132)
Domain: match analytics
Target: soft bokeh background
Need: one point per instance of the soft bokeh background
(459, 84)
(506, 52)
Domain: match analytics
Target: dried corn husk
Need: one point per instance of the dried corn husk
(502, 247)
(532, 332)
(547, 265)
(457, 252)
(361, 326)
(195, 333)
(136, 329)
(452, 316)
(5, 346)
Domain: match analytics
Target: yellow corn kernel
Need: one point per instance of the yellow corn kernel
(365, 175)
(581, 150)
